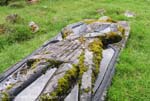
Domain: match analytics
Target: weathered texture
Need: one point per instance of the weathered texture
(86, 82)
(73, 96)
(76, 53)
(35, 88)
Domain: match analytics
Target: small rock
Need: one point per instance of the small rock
(101, 11)
(34, 27)
(129, 14)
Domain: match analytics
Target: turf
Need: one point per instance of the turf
(132, 78)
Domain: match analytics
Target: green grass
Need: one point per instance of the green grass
(132, 78)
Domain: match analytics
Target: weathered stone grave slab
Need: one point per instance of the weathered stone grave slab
(78, 63)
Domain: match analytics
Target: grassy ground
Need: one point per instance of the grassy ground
(132, 79)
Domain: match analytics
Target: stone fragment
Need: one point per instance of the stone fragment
(129, 14)
(34, 27)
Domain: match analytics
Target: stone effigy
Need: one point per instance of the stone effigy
(74, 64)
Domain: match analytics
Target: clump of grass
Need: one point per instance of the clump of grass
(14, 34)
(14, 19)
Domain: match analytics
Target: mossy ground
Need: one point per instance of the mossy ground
(132, 78)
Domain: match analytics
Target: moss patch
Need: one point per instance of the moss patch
(81, 65)
(67, 82)
(96, 48)
(64, 84)
(111, 38)
(5, 97)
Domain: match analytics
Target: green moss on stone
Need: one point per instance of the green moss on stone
(67, 81)
(87, 90)
(10, 86)
(64, 84)
(34, 64)
(82, 67)
(96, 48)
(5, 97)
